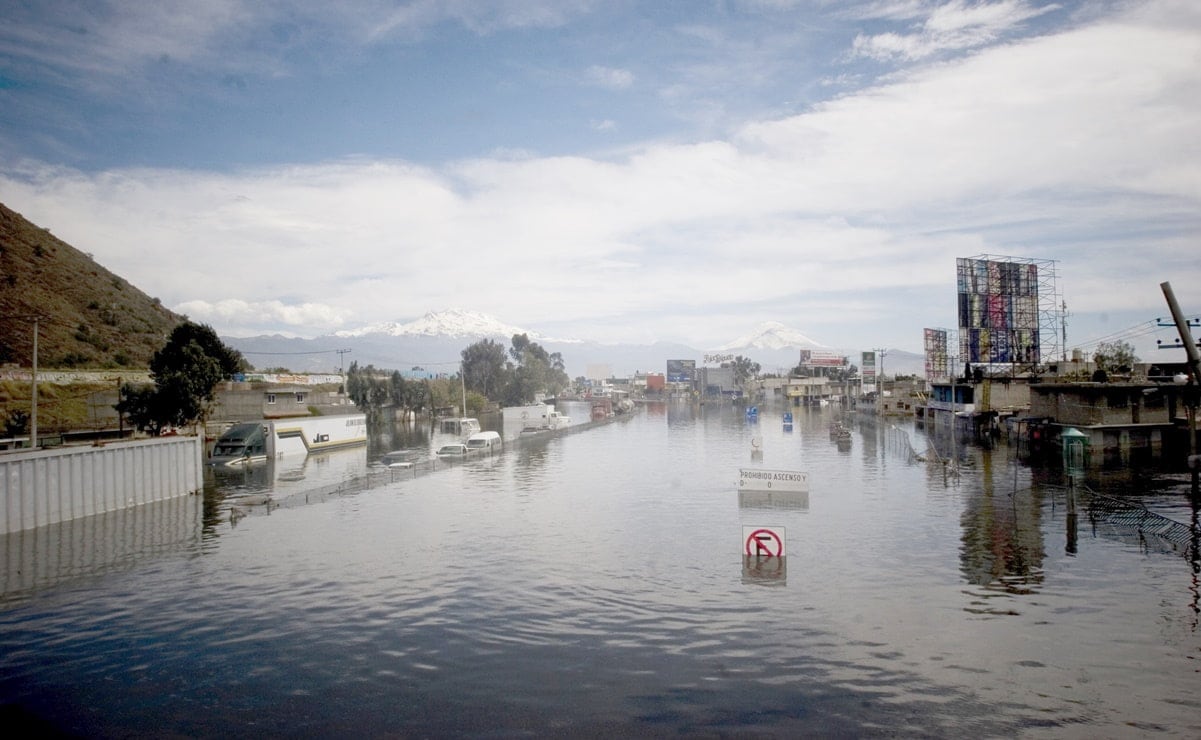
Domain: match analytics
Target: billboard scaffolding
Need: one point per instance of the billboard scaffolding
(937, 360)
(1009, 310)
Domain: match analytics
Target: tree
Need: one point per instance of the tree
(1115, 357)
(16, 423)
(744, 370)
(368, 388)
(185, 371)
(516, 378)
(536, 370)
(189, 340)
(484, 368)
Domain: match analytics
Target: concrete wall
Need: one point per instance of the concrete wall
(1093, 404)
(47, 486)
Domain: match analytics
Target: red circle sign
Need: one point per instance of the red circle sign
(764, 542)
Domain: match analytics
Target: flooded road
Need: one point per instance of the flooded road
(594, 584)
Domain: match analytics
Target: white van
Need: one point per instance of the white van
(484, 441)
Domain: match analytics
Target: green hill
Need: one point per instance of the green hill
(88, 317)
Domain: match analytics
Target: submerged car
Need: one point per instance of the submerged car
(452, 450)
(400, 458)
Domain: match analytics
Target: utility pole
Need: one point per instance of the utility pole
(1063, 323)
(880, 353)
(341, 360)
(33, 416)
(463, 383)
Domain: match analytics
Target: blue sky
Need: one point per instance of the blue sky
(614, 170)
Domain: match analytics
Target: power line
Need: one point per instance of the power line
(312, 352)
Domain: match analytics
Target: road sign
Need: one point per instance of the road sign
(757, 479)
(767, 542)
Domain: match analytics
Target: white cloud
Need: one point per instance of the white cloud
(1079, 147)
(951, 26)
(249, 318)
(609, 77)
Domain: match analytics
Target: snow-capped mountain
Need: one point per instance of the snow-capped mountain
(436, 341)
(771, 335)
(454, 322)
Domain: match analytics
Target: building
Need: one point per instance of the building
(251, 401)
(1123, 422)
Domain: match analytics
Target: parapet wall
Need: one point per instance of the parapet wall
(48, 486)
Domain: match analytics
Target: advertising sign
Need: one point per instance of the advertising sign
(821, 358)
(867, 370)
(681, 371)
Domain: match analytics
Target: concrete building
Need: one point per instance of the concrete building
(247, 401)
(1122, 421)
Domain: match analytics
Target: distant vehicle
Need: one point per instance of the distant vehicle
(532, 419)
(484, 441)
(464, 427)
(452, 451)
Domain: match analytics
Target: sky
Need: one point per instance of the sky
(613, 170)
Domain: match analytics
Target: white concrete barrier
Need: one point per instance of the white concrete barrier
(47, 486)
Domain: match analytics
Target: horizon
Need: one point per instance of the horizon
(615, 171)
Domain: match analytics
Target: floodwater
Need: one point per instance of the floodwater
(594, 584)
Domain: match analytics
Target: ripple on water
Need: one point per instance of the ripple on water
(593, 584)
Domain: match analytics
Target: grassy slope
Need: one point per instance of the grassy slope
(89, 317)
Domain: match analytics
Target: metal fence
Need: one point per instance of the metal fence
(1131, 520)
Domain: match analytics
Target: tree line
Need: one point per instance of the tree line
(488, 373)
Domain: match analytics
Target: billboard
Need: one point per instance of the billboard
(937, 362)
(820, 358)
(681, 371)
(998, 311)
(867, 371)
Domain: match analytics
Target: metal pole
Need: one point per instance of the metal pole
(1194, 366)
(1190, 347)
(33, 416)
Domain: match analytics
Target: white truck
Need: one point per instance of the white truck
(538, 417)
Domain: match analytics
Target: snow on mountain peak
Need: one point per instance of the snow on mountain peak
(772, 335)
(454, 322)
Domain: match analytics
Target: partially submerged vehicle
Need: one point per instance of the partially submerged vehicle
(400, 458)
(463, 427)
(456, 450)
(257, 441)
(241, 444)
(484, 442)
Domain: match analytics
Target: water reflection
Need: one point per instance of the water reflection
(49, 556)
(595, 583)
